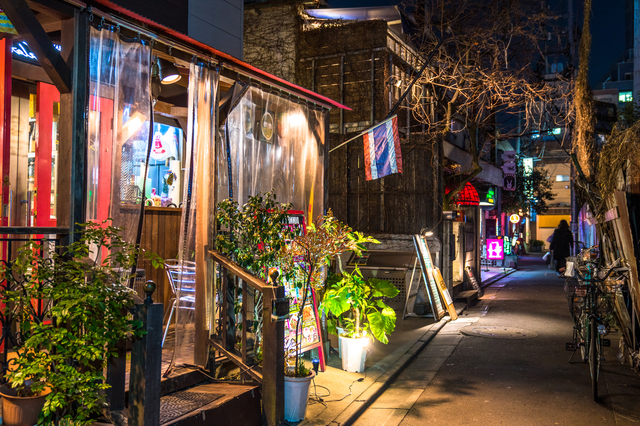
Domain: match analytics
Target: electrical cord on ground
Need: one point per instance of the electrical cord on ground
(315, 398)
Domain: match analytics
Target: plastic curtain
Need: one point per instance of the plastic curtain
(273, 143)
(119, 114)
(197, 224)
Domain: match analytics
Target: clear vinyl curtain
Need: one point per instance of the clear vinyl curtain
(197, 224)
(119, 114)
(272, 142)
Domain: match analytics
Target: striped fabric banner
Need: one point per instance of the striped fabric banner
(5, 25)
(382, 154)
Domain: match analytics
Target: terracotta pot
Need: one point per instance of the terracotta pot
(21, 411)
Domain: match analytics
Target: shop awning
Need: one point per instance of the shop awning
(227, 60)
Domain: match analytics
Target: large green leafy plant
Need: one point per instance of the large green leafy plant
(359, 303)
(85, 288)
(305, 261)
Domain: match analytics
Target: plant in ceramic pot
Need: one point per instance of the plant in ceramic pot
(359, 303)
(304, 262)
(66, 346)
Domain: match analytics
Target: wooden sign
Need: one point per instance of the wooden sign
(427, 274)
(473, 281)
(412, 292)
(444, 293)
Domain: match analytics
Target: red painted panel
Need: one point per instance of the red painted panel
(5, 121)
(104, 107)
(5, 134)
(47, 94)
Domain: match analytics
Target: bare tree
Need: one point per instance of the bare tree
(491, 67)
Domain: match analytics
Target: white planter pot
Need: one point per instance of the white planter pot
(296, 394)
(340, 331)
(354, 353)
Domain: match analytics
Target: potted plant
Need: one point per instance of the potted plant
(536, 246)
(366, 313)
(257, 237)
(66, 346)
(304, 262)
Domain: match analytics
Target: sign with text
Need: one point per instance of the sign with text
(473, 280)
(426, 266)
(495, 249)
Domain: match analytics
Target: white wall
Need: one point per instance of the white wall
(218, 23)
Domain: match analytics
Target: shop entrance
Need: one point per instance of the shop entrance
(33, 150)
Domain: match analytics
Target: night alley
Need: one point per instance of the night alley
(523, 377)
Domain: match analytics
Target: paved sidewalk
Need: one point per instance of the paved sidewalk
(339, 398)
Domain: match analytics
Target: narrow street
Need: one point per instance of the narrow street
(523, 377)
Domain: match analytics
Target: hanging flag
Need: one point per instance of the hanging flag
(382, 154)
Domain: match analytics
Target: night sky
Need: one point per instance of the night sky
(607, 30)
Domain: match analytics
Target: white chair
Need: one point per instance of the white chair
(182, 277)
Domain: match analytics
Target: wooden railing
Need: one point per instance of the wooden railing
(271, 374)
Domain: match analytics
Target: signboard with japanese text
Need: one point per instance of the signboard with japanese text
(309, 332)
(424, 257)
(495, 249)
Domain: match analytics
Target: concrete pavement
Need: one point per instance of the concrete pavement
(340, 398)
(525, 379)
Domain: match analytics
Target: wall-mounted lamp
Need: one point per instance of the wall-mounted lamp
(448, 215)
(168, 72)
(426, 232)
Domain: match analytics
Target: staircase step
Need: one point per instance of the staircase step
(224, 404)
(468, 296)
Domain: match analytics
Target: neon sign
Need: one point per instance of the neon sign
(495, 249)
(514, 218)
(21, 50)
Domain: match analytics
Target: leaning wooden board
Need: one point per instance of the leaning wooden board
(473, 281)
(444, 293)
(427, 273)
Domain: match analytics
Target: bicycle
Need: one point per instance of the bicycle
(586, 305)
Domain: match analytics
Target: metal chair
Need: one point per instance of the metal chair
(179, 275)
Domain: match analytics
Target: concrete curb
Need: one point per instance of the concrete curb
(496, 279)
(368, 397)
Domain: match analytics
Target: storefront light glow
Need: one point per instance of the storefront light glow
(296, 119)
(495, 249)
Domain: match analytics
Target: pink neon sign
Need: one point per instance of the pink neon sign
(495, 249)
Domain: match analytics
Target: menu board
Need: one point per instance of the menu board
(427, 273)
(310, 331)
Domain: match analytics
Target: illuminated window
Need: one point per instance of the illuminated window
(562, 178)
(625, 97)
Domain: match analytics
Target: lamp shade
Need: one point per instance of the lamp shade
(168, 72)
(467, 197)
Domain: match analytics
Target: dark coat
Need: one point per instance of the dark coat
(561, 243)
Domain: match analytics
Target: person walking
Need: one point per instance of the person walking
(561, 243)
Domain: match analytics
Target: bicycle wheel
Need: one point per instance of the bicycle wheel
(594, 356)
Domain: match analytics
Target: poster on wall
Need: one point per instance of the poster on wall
(426, 266)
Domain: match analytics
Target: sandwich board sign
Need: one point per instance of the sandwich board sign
(444, 293)
(426, 266)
